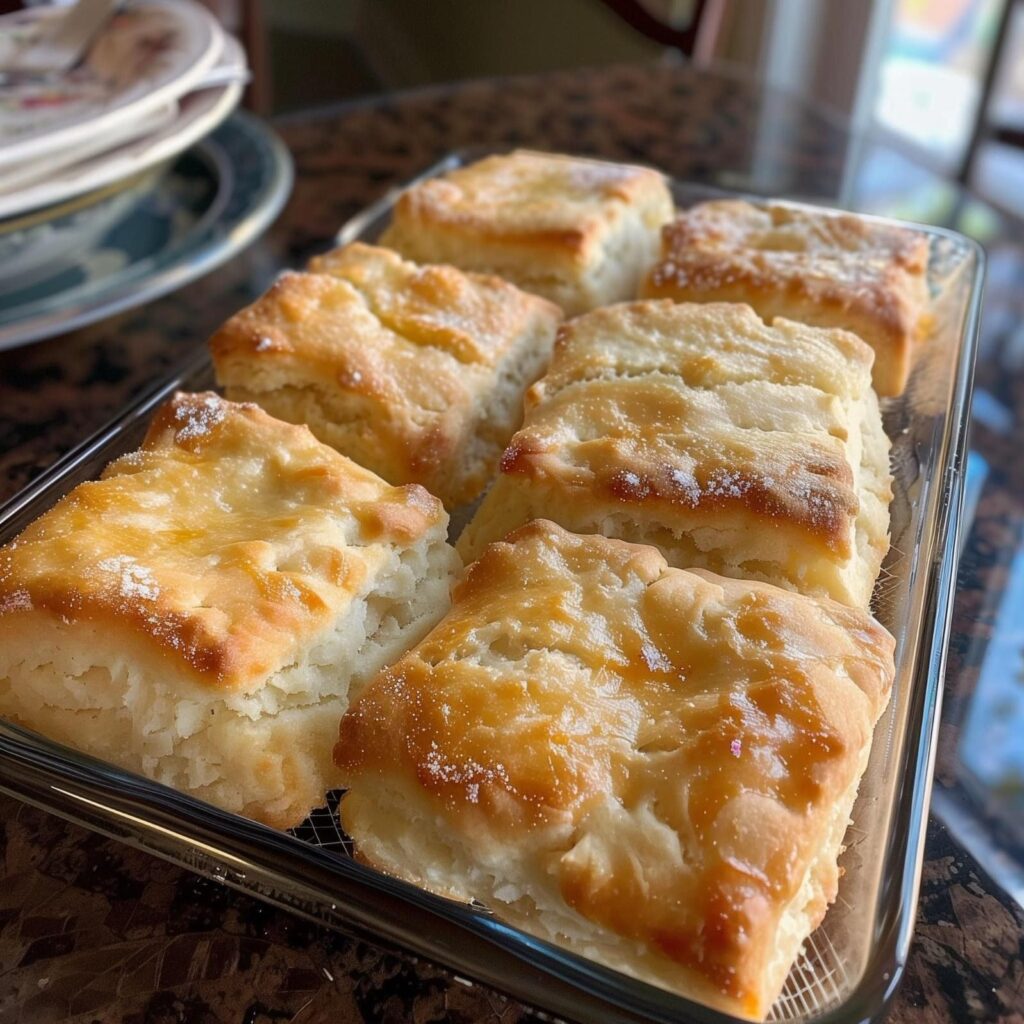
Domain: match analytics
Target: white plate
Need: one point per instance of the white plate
(199, 113)
(146, 57)
(15, 177)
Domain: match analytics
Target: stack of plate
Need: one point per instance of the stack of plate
(84, 152)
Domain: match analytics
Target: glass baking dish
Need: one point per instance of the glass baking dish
(848, 968)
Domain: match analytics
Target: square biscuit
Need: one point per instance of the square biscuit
(818, 268)
(652, 767)
(751, 450)
(417, 373)
(204, 611)
(581, 232)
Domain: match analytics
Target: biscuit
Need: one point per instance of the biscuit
(203, 612)
(819, 268)
(652, 767)
(415, 372)
(581, 232)
(751, 450)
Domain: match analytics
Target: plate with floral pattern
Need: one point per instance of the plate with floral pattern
(150, 53)
(76, 173)
(91, 260)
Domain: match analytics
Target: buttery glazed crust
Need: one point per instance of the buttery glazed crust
(819, 268)
(581, 232)
(415, 372)
(752, 450)
(651, 766)
(203, 612)
(228, 540)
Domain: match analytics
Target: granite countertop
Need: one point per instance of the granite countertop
(93, 930)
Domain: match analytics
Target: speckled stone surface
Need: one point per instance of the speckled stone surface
(91, 930)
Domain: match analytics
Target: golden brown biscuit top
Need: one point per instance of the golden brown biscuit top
(229, 539)
(705, 345)
(718, 243)
(527, 198)
(474, 317)
(700, 407)
(373, 324)
(691, 734)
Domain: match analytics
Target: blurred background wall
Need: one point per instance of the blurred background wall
(945, 75)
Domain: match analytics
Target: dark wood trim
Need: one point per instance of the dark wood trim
(1008, 136)
(696, 40)
(982, 127)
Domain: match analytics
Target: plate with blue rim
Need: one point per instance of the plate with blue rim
(89, 259)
